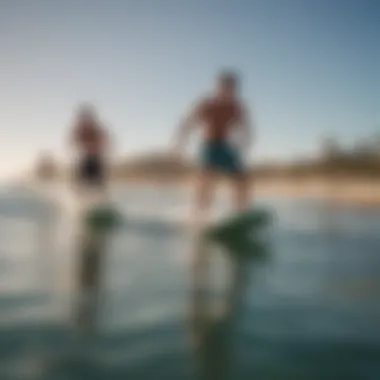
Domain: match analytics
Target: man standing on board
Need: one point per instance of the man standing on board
(226, 131)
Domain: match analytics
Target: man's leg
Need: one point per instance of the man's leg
(204, 194)
(241, 191)
(240, 179)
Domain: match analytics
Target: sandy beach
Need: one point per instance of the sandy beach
(348, 191)
(356, 192)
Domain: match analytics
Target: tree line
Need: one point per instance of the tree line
(361, 159)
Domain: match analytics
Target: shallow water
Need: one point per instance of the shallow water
(311, 311)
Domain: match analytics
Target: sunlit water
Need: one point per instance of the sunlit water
(312, 309)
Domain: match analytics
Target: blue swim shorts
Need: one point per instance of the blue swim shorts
(221, 157)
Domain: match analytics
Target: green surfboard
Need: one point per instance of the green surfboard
(103, 218)
(242, 234)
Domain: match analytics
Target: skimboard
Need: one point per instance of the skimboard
(95, 212)
(241, 235)
(102, 217)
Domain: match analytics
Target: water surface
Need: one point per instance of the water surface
(312, 310)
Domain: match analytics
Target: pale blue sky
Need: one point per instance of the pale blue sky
(308, 68)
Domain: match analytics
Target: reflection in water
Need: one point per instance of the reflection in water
(91, 249)
(312, 314)
(211, 334)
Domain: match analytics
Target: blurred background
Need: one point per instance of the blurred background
(309, 73)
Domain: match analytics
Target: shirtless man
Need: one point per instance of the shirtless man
(91, 142)
(222, 117)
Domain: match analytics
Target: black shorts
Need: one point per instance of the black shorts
(91, 170)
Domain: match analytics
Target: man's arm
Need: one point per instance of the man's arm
(187, 125)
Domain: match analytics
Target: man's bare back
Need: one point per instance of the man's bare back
(219, 117)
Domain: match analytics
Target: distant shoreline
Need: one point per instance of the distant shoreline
(357, 192)
(349, 191)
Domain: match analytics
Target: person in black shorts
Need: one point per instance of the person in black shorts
(90, 141)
